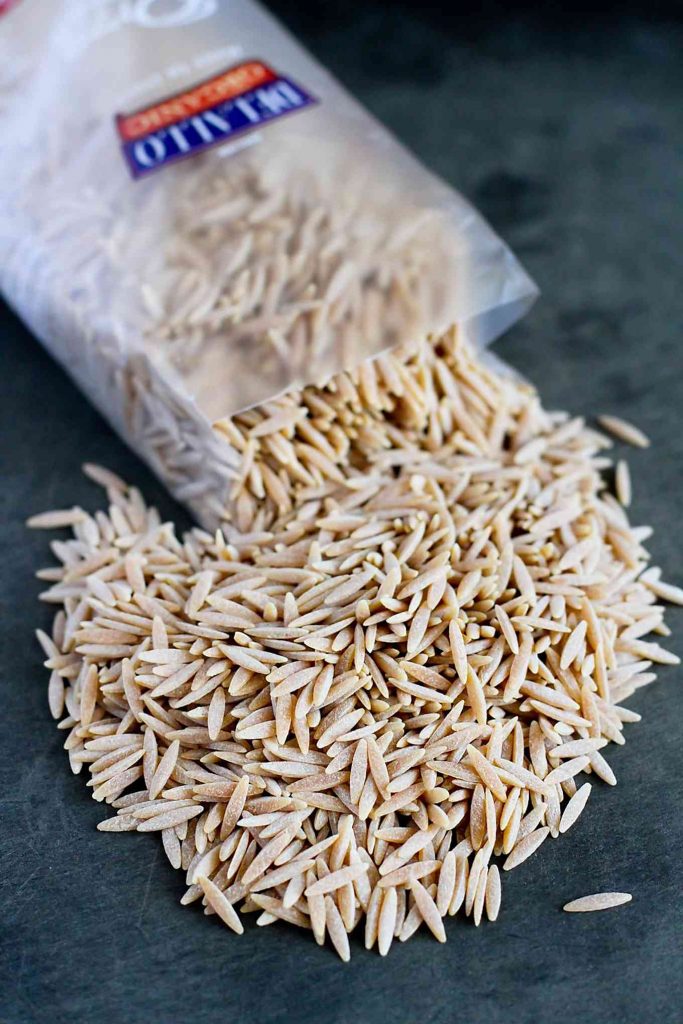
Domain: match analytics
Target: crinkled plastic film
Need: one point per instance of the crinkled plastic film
(270, 255)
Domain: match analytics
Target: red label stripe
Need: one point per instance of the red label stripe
(193, 101)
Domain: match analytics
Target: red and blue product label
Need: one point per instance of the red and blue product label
(236, 101)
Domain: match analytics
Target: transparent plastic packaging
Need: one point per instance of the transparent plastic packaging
(195, 217)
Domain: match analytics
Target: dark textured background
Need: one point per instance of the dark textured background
(567, 132)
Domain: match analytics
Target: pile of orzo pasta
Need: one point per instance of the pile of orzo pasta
(394, 669)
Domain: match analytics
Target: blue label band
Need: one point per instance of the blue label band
(231, 117)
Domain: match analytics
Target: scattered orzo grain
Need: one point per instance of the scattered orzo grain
(598, 901)
(624, 431)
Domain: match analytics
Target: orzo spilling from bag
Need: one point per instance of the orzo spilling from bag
(413, 611)
(216, 221)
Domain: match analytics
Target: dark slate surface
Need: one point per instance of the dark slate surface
(568, 136)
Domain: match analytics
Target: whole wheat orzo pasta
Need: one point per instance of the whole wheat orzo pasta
(381, 679)
(415, 611)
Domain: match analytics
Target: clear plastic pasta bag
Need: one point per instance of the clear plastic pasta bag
(195, 217)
